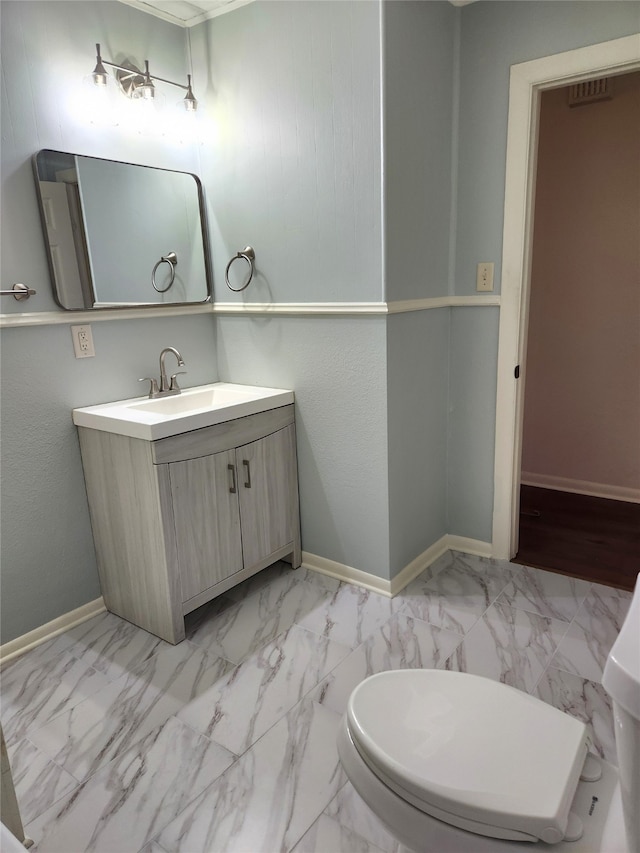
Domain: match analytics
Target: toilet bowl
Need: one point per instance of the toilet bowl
(453, 763)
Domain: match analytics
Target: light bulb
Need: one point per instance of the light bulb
(100, 76)
(190, 102)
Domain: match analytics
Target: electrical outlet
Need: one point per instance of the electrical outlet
(82, 341)
(484, 277)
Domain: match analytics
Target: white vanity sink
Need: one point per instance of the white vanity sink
(193, 408)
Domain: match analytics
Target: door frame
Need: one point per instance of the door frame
(527, 81)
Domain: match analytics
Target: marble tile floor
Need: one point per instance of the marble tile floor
(121, 742)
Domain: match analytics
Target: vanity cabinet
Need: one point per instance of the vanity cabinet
(207, 519)
(179, 520)
(234, 507)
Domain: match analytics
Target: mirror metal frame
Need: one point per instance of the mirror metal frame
(129, 305)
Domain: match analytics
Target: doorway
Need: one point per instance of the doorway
(528, 81)
(580, 480)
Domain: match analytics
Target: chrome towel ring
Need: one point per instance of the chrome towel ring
(172, 260)
(249, 256)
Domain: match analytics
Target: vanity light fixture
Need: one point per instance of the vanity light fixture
(136, 83)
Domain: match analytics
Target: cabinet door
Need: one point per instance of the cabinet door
(207, 520)
(268, 502)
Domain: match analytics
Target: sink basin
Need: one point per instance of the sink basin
(197, 398)
(194, 408)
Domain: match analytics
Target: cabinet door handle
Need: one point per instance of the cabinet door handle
(232, 487)
(247, 482)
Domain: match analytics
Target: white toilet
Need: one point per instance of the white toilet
(456, 763)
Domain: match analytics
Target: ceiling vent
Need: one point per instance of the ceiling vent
(590, 91)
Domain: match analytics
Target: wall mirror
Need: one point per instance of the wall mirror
(121, 235)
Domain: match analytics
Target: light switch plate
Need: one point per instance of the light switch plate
(484, 277)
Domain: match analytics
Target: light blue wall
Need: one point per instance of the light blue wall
(493, 36)
(48, 52)
(339, 372)
(292, 162)
(418, 97)
(417, 391)
(48, 560)
(418, 113)
(471, 422)
(294, 97)
(300, 143)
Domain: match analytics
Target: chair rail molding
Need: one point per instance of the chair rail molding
(296, 309)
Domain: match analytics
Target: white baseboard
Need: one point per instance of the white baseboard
(418, 565)
(470, 546)
(17, 647)
(580, 487)
(411, 571)
(14, 648)
(346, 573)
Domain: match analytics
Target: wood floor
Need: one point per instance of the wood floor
(586, 537)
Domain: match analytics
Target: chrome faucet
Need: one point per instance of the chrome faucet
(167, 387)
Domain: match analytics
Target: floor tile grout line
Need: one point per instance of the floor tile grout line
(406, 612)
(284, 714)
(303, 698)
(266, 642)
(157, 833)
(132, 746)
(160, 644)
(53, 761)
(121, 751)
(75, 658)
(271, 581)
(11, 741)
(566, 622)
(324, 813)
(91, 697)
(62, 796)
(219, 657)
(407, 615)
(306, 695)
(554, 665)
(346, 826)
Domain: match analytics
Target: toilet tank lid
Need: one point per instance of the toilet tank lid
(621, 677)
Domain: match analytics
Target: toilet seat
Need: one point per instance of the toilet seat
(470, 751)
